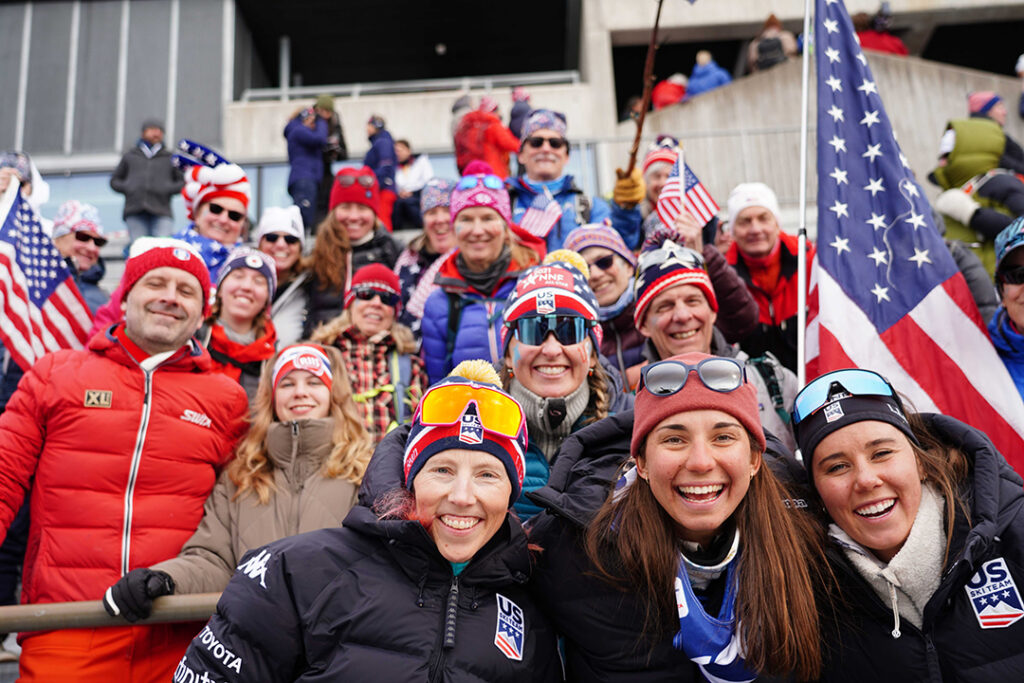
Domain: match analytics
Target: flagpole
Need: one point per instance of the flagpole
(801, 270)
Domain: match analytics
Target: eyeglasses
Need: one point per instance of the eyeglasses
(1011, 276)
(537, 141)
(217, 209)
(364, 179)
(386, 298)
(491, 182)
(854, 382)
(568, 329)
(499, 413)
(669, 250)
(669, 376)
(603, 263)
(86, 237)
(272, 237)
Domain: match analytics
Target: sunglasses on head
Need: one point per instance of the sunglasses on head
(386, 298)
(670, 250)
(272, 237)
(669, 376)
(364, 179)
(568, 329)
(444, 404)
(217, 209)
(86, 237)
(1011, 276)
(853, 382)
(491, 182)
(603, 263)
(537, 141)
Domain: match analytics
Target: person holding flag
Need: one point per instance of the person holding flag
(659, 169)
(888, 294)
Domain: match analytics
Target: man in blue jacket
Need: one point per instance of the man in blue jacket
(306, 134)
(546, 201)
(381, 158)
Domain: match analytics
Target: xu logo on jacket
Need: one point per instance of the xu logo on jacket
(511, 630)
(994, 595)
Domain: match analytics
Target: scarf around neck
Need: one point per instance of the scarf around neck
(550, 420)
(612, 311)
(486, 281)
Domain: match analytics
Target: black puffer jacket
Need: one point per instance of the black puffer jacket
(951, 645)
(601, 625)
(375, 601)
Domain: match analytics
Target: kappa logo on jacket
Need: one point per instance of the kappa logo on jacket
(994, 595)
(256, 567)
(197, 418)
(510, 632)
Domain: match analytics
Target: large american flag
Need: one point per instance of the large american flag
(888, 293)
(697, 199)
(41, 309)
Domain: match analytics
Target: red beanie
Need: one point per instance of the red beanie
(173, 256)
(649, 410)
(358, 186)
(378, 277)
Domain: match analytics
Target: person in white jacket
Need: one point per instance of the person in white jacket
(411, 174)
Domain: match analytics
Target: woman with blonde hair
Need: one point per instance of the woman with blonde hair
(298, 469)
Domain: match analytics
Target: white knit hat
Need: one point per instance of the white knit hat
(746, 195)
(287, 220)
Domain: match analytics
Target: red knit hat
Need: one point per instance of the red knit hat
(375, 276)
(358, 186)
(174, 254)
(649, 409)
(204, 184)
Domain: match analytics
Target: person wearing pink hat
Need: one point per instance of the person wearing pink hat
(388, 377)
(979, 168)
(78, 236)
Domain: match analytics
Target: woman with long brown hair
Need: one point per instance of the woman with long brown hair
(298, 469)
(692, 566)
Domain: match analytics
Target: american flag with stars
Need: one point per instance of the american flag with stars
(42, 309)
(693, 197)
(887, 293)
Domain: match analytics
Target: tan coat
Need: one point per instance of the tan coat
(304, 500)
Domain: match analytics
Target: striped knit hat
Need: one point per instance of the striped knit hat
(664, 264)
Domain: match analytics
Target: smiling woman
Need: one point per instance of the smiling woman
(426, 579)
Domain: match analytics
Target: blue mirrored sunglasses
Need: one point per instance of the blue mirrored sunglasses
(491, 182)
(568, 329)
(669, 376)
(854, 381)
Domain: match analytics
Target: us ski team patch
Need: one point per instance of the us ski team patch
(994, 595)
(511, 630)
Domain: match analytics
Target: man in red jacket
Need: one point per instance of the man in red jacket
(119, 446)
(766, 259)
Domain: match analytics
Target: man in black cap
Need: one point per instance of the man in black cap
(148, 180)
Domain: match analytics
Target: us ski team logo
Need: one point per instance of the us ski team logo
(471, 430)
(546, 302)
(994, 596)
(511, 630)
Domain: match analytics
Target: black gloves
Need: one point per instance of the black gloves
(132, 596)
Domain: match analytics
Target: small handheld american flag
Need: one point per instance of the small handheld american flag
(690, 194)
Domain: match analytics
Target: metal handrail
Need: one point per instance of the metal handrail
(355, 90)
(90, 613)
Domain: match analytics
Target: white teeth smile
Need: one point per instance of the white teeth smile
(876, 509)
(549, 370)
(683, 335)
(703, 493)
(460, 523)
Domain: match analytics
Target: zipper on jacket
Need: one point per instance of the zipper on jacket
(133, 472)
(296, 485)
(934, 671)
(448, 634)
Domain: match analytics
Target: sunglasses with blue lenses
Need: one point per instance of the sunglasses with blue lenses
(491, 182)
(568, 329)
(667, 377)
(854, 382)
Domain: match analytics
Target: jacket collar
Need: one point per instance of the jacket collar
(189, 358)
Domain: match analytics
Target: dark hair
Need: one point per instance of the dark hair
(633, 544)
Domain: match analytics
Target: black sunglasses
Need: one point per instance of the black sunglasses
(537, 141)
(386, 298)
(217, 209)
(603, 263)
(86, 237)
(364, 179)
(1011, 276)
(288, 239)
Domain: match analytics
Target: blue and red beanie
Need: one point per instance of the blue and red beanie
(664, 264)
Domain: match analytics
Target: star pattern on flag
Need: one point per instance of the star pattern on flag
(39, 260)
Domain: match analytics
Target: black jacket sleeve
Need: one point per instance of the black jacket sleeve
(737, 310)
(1013, 156)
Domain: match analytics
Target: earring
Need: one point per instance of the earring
(511, 373)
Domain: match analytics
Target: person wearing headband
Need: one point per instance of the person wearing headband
(297, 469)
(924, 519)
(388, 377)
(425, 580)
(671, 547)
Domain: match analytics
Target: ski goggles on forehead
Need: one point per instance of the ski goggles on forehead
(568, 329)
(491, 182)
(668, 377)
(852, 382)
(685, 256)
(445, 404)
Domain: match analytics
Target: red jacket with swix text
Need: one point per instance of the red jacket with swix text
(122, 459)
